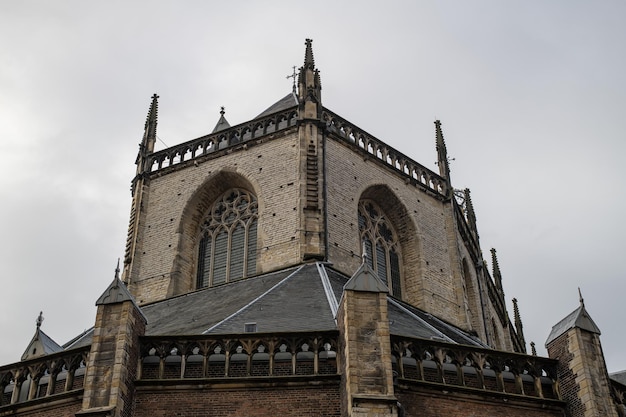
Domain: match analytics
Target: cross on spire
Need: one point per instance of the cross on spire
(294, 78)
(40, 319)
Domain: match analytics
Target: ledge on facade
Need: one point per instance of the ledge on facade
(239, 383)
(405, 387)
(37, 404)
(97, 412)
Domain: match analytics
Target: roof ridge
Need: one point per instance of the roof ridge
(254, 301)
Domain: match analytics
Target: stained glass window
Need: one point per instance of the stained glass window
(381, 246)
(227, 249)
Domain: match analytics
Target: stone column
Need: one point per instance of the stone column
(112, 367)
(584, 380)
(366, 347)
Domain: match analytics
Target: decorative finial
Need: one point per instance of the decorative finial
(40, 319)
(294, 75)
(117, 270)
(222, 111)
(580, 297)
(443, 161)
(309, 62)
(533, 350)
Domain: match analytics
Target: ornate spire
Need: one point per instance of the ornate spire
(497, 275)
(309, 62)
(519, 329)
(309, 86)
(146, 146)
(150, 128)
(442, 154)
(471, 214)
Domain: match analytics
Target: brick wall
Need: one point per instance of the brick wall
(284, 401)
(582, 374)
(65, 408)
(423, 403)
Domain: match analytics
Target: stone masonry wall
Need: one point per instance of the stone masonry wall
(582, 374)
(430, 281)
(272, 170)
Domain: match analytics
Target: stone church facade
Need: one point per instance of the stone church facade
(296, 265)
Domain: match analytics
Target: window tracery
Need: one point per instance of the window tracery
(227, 249)
(381, 246)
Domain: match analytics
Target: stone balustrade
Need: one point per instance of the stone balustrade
(238, 356)
(227, 138)
(385, 153)
(47, 376)
(471, 367)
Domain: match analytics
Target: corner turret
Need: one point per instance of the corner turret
(585, 385)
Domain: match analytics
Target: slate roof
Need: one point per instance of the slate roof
(41, 344)
(578, 318)
(284, 103)
(619, 377)
(298, 299)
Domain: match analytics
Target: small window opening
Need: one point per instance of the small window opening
(250, 328)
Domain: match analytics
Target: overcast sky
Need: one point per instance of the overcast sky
(531, 95)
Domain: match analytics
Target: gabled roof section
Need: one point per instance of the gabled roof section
(116, 292)
(365, 279)
(41, 344)
(296, 303)
(578, 318)
(222, 123)
(407, 320)
(290, 100)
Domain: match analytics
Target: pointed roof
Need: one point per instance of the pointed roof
(290, 100)
(116, 292)
(41, 344)
(578, 318)
(365, 279)
(222, 123)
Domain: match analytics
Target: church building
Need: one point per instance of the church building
(295, 265)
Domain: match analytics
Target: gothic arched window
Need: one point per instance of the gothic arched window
(227, 250)
(381, 245)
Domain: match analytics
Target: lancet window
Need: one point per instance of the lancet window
(381, 246)
(227, 249)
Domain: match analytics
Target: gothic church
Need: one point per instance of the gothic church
(295, 265)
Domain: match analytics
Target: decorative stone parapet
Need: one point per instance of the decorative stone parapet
(472, 367)
(238, 356)
(46, 376)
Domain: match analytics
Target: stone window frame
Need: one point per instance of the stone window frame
(226, 215)
(373, 221)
